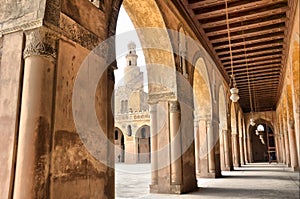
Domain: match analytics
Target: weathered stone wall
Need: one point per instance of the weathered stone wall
(20, 14)
(290, 88)
(75, 172)
(10, 89)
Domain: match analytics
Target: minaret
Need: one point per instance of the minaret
(133, 77)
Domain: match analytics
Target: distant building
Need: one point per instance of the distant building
(132, 118)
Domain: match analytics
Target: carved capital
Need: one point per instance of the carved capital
(40, 42)
(174, 107)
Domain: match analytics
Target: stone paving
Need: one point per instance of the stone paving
(259, 180)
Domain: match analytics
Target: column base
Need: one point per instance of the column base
(227, 169)
(236, 165)
(208, 175)
(171, 189)
(295, 168)
(153, 188)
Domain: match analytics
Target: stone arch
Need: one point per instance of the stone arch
(159, 58)
(260, 142)
(201, 90)
(143, 144)
(202, 117)
(119, 138)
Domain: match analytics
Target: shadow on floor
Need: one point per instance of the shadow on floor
(245, 193)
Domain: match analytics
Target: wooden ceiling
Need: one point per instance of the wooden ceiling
(259, 35)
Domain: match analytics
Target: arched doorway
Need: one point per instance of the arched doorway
(119, 146)
(263, 142)
(143, 144)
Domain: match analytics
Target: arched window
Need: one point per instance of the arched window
(129, 63)
(143, 132)
(116, 135)
(182, 51)
(122, 106)
(126, 106)
(129, 131)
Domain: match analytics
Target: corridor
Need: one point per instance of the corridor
(257, 180)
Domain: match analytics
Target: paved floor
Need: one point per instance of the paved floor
(260, 180)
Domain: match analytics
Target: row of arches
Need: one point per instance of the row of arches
(135, 148)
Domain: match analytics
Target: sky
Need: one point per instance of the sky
(125, 33)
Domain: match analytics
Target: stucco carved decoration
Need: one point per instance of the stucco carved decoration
(40, 42)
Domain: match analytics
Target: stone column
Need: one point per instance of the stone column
(282, 142)
(235, 148)
(226, 150)
(245, 148)
(249, 147)
(241, 146)
(277, 146)
(32, 168)
(202, 148)
(286, 143)
(175, 138)
(291, 130)
(283, 153)
(222, 153)
(197, 144)
(292, 146)
(211, 148)
(153, 132)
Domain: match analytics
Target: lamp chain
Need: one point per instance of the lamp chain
(229, 40)
(246, 57)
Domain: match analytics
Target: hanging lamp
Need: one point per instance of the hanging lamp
(234, 90)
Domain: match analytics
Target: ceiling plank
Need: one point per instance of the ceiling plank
(247, 35)
(252, 54)
(255, 41)
(235, 9)
(246, 27)
(265, 45)
(246, 17)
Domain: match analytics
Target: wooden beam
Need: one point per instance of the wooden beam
(236, 9)
(247, 35)
(258, 78)
(259, 82)
(203, 4)
(251, 42)
(251, 60)
(257, 75)
(257, 72)
(265, 45)
(245, 18)
(246, 27)
(257, 53)
(254, 64)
